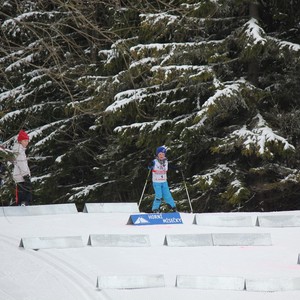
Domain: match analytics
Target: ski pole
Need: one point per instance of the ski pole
(144, 188)
(187, 192)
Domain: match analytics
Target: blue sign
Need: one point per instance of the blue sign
(154, 219)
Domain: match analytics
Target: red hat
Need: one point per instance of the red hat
(22, 136)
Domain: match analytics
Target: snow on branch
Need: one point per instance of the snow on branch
(156, 18)
(181, 70)
(15, 114)
(11, 94)
(141, 126)
(30, 110)
(212, 174)
(5, 154)
(167, 50)
(39, 131)
(124, 98)
(285, 44)
(228, 91)
(254, 32)
(21, 62)
(143, 61)
(11, 56)
(84, 191)
(291, 46)
(222, 92)
(26, 17)
(237, 184)
(260, 136)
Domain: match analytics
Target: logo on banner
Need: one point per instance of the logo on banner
(152, 219)
(141, 220)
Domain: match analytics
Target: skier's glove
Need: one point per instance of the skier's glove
(151, 165)
(27, 179)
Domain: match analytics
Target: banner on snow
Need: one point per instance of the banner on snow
(155, 219)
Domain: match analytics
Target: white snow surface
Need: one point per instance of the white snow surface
(71, 273)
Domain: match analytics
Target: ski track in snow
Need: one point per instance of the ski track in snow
(80, 286)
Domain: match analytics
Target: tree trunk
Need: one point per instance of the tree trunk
(253, 66)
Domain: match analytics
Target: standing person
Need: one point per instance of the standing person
(21, 172)
(159, 167)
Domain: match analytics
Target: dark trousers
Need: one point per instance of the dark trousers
(23, 193)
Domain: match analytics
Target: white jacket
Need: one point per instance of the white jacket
(159, 171)
(21, 168)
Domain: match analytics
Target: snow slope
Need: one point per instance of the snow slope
(71, 273)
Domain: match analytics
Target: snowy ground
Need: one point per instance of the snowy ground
(71, 273)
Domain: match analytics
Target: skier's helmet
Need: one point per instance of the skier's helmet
(160, 149)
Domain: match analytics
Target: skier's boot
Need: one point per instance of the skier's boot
(172, 209)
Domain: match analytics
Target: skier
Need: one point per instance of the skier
(21, 172)
(159, 167)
